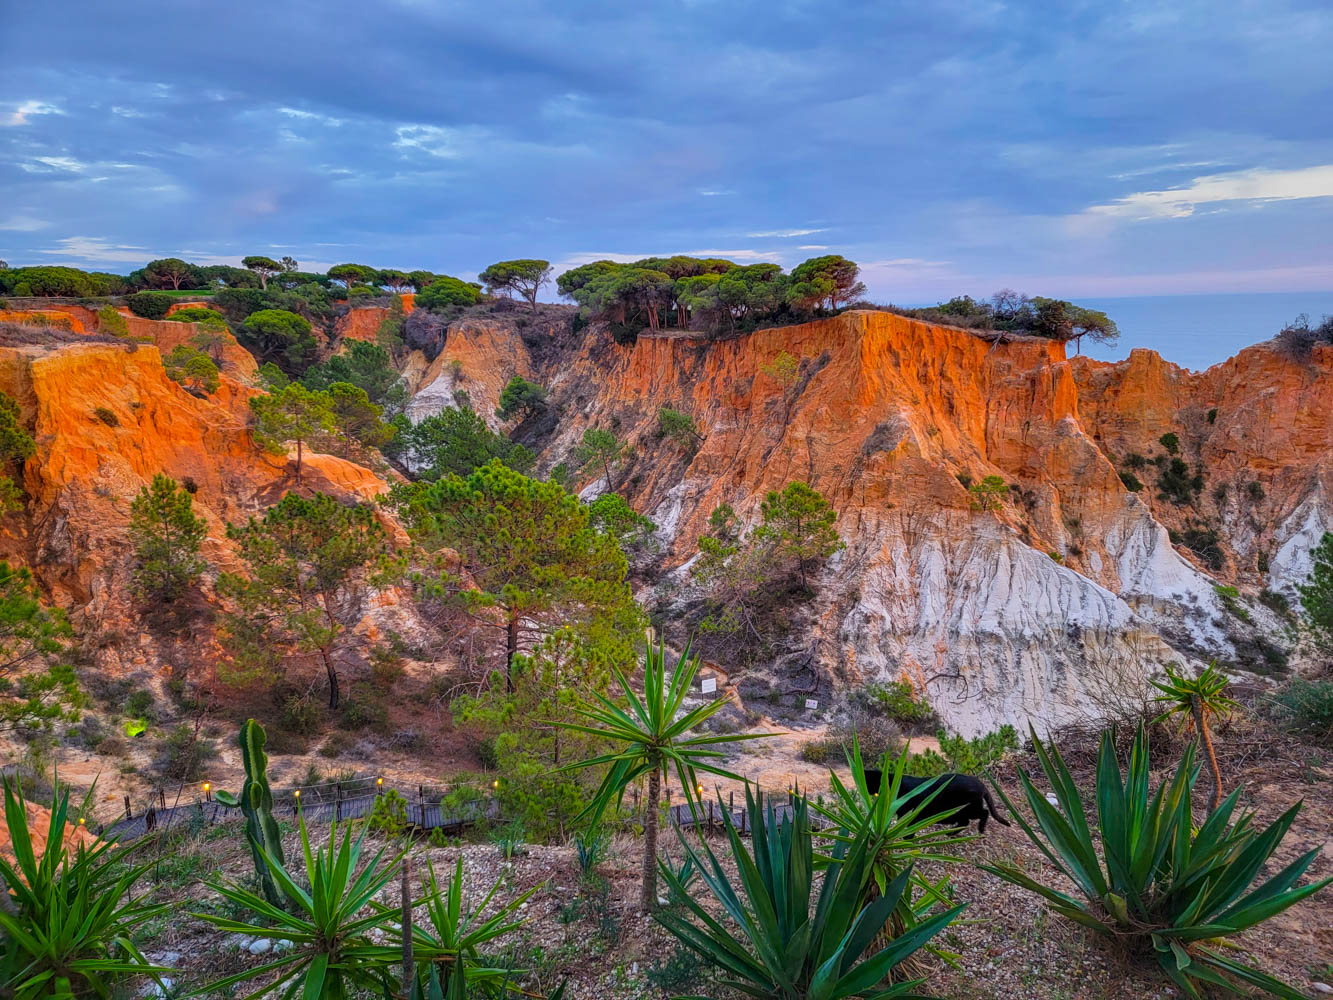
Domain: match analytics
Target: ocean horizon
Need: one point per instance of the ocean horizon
(1198, 331)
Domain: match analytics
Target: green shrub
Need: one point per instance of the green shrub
(1171, 442)
(300, 716)
(1134, 461)
(821, 751)
(149, 305)
(1254, 490)
(1154, 882)
(364, 712)
(1230, 598)
(1212, 415)
(1131, 481)
(106, 416)
(541, 800)
(957, 753)
(388, 814)
(897, 700)
(185, 755)
(109, 320)
(1177, 484)
(140, 705)
(1275, 600)
(1306, 708)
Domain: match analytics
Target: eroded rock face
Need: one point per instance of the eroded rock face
(106, 419)
(1064, 600)
(478, 358)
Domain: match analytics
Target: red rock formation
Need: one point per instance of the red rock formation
(106, 419)
(1060, 599)
(362, 323)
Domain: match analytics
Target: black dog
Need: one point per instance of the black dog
(967, 794)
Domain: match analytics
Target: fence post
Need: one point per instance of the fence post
(162, 794)
(337, 800)
(128, 813)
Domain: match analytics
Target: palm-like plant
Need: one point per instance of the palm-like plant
(453, 967)
(67, 915)
(897, 825)
(1162, 885)
(653, 738)
(774, 946)
(1199, 699)
(328, 927)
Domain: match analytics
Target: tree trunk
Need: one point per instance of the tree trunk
(409, 966)
(648, 897)
(1202, 726)
(299, 455)
(333, 676)
(511, 650)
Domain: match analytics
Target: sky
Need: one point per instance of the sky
(1105, 149)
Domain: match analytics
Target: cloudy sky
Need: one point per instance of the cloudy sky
(1076, 149)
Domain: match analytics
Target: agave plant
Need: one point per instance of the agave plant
(453, 967)
(67, 915)
(329, 927)
(775, 946)
(898, 826)
(653, 738)
(1163, 885)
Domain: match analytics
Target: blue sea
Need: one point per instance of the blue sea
(1197, 331)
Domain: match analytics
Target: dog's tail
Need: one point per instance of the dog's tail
(990, 804)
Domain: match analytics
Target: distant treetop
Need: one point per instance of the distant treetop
(524, 277)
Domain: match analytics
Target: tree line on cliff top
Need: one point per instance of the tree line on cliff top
(703, 294)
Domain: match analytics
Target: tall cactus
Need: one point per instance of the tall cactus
(256, 802)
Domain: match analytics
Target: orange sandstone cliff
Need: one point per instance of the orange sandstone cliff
(1058, 605)
(106, 419)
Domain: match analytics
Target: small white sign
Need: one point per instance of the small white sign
(708, 685)
(811, 703)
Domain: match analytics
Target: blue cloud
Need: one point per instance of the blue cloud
(957, 146)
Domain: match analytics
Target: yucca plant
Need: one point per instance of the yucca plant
(328, 927)
(1162, 886)
(1200, 699)
(653, 737)
(590, 848)
(774, 946)
(454, 967)
(899, 827)
(68, 913)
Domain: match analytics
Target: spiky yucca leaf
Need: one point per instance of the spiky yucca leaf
(1161, 882)
(901, 826)
(67, 929)
(328, 927)
(773, 944)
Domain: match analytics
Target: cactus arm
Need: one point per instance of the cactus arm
(256, 802)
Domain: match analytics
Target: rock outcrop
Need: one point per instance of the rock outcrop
(1057, 605)
(106, 419)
